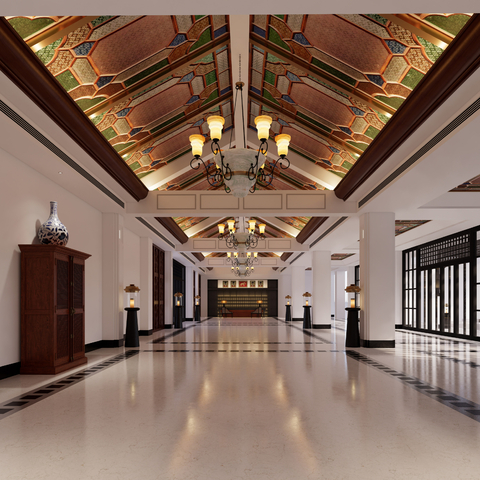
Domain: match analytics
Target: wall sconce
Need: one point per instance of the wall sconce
(131, 291)
(352, 289)
(306, 296)
(178, 299)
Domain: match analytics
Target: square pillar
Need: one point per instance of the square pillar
(145, 322)
(168, 289)
(284, 289)
(377, 280)
(189, 301)
(340, 285)
(321, 290)
(298, 289)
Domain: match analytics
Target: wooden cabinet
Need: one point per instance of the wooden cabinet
(52, 309)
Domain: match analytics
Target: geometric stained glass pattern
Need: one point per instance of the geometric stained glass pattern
(472, 185)
(188, 222)
(402, 226)
(338, 78)
(341, 256)
(295, 222)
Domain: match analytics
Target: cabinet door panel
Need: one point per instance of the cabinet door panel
(62, 339)
(62, 284)
(78, 334)
(78, 282)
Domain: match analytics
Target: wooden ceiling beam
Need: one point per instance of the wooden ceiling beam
(177, 124)
(56, 31)
(420, 27)
(324, 77)
(310, 228)
(304, 123)
(158, 76)
(171, 226)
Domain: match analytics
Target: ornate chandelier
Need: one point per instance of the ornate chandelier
(242, 264)
(241, 240)
(239, 169)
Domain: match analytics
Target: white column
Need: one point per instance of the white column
(398, 287)
(377, 280)
(189, 293)
(298, 289)
(145, 319)
(340, 284)
(112, 279)
(284, 289)
(321, 290)
(168, 289)
(332, 294)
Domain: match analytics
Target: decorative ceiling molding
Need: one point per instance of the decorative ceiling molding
(27, 72)
(321, 75)
(458, 62)
(160, 75)
(171, 226)
(310, 228)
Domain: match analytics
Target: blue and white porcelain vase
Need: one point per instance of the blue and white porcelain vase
(53, 231)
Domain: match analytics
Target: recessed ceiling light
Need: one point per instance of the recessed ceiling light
(60, 173)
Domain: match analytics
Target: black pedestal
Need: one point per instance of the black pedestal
(197, 313)
(307, 320)
(288, 313)
(352, 338)
(131, 335)
(178, 321)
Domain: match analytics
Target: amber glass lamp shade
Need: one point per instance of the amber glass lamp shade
(283, 141)
(352, 303)
(231, 225)
(251, 225)
(261, 228)
(263, 123)
(197, 141)
(221, 228)
(215, 124)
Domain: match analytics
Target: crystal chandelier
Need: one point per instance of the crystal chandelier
(241, 240)
(239, 169)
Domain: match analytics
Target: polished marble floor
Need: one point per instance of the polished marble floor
(250, 399)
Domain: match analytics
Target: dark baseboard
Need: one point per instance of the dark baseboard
(297, 319)
(145, 333)
(188, 319)
(9, 370)
(377, 343)
(112, 343)
(168, 325)
(398, 325)
(323, 325)
(90, 347)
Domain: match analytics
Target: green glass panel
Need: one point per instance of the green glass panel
(26, 27)
(270, 77)
(452, 24)
(272, 58)
(96, 120)
(144, 174)
(372, 132)
(146, 72)
(46, 54)
(412, 78)
(211, 77)
(311, 120)
(121, 146)
(330, 87)
(383, 118)
(67, 80)
(377, 18)
(135, 166)
(179, 155)
(274, 37)
(340, 174)
(361, 146)
(198, 17)
(86, 103)
(100, 20)
(280, 16)
(347, 165)
(204, 38)
(168, 122)
(432, 51)
(109, 133)
(334, 71)
(394, 102)
(212, 97)
(207, 59)
(152, 86)
(269, 96)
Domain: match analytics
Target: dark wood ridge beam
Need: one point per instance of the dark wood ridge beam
(310, 228)
(285, 256)
(457, 63)
(27, 72)
(319, 74)
(177, 123)
(420, 27)
(171, 226)
(158, 76)
(57, 30)
(199, 256)
(304, 123)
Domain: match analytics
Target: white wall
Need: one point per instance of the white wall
(131, 267)
(25, 197)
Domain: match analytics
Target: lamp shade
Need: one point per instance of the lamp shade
(263, 123)
(221, 228)
(251, 225)
(283, 141)
(215, 124)
(197, 142)
(231, 224)
(261, 228)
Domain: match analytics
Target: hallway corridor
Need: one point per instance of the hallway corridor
(249, 399)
